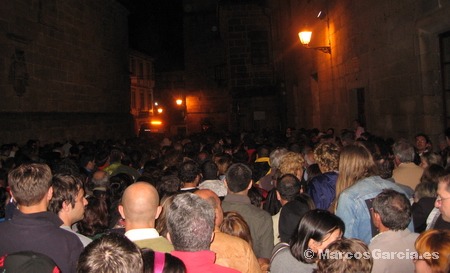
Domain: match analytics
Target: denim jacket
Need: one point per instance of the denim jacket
(354, 206)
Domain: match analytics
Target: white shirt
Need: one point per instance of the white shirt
(142, 234)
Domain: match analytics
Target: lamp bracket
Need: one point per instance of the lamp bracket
(324, 49)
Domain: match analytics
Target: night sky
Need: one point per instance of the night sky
(156, 28)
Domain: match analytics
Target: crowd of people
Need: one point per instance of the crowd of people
(303, 201)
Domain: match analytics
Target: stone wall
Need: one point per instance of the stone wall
(63, 70)
(389, 49)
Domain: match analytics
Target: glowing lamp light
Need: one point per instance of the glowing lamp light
(179, 101)
(160, 110)
(155, 122)
(305, 37)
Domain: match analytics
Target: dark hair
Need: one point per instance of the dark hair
(394, 209)
(315, 224)
(288, 186)
(65, 189)
(432, 173)
(172, 264)
(209, 170)
(96, 217)
(238, 177)
(188, 171)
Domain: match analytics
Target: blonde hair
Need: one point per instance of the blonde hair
(355, 163)
(291, 162)
(435, 241)
(327, 156)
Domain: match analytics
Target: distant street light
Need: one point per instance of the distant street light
(179, 101)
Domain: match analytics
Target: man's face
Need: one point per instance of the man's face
(77, 210)
(421, 143)
(443, 201)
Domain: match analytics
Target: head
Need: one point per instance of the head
(100, 180)
(210, 171)
(68, 199)
(275, 157)
(422, 142)
(443, 197)
(432, 173)
(403, 152)
(109, 254)
(430, 158)
(159, 262)
(238, 178)
(355, 163)
(140, 206)
(288, 187)
(190, 223)
(316, 230)
(391, 209)
(235, 225)
(96, 217)
(433, 248)
(327, 156)
(292, 163)
(425, 189)
(348, 263)
(30, 184)
(214, 200)
(189, 171)
(161, 222)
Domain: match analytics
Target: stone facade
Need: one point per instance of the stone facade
(387, 52)
(63, 70)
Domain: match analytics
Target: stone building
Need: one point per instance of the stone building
(142, 77)
(388, 65)
(64, 70)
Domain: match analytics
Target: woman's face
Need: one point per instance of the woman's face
(421, 266)
(318, 247)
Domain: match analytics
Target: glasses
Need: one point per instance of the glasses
(440, 199)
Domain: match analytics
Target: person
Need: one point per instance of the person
(32, 227)
(424, 200)
(287, 189)
(442, 203)
(238, 180)
(160, 262)
(95, 222)
(352, 262)
(211, 181)
(190, 223)
(322, 188)
(140, 208)
(359, 129)
(68, 202)
(291, 214)
(433, 250)
(28, 262)
(230, 250)
(110, 254)
(189, 175)
(316, 230)
(422, 144)
(234, 224)
(116, 166)
(358, 183)
(266, 182)
(406, 171)
(391, 215)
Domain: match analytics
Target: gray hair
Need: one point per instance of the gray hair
(404, 151)
(275, 157)
(190, 222)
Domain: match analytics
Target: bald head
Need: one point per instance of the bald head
(140, 206)
(214, 200)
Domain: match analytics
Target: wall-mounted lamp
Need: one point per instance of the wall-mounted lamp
(305, 38)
